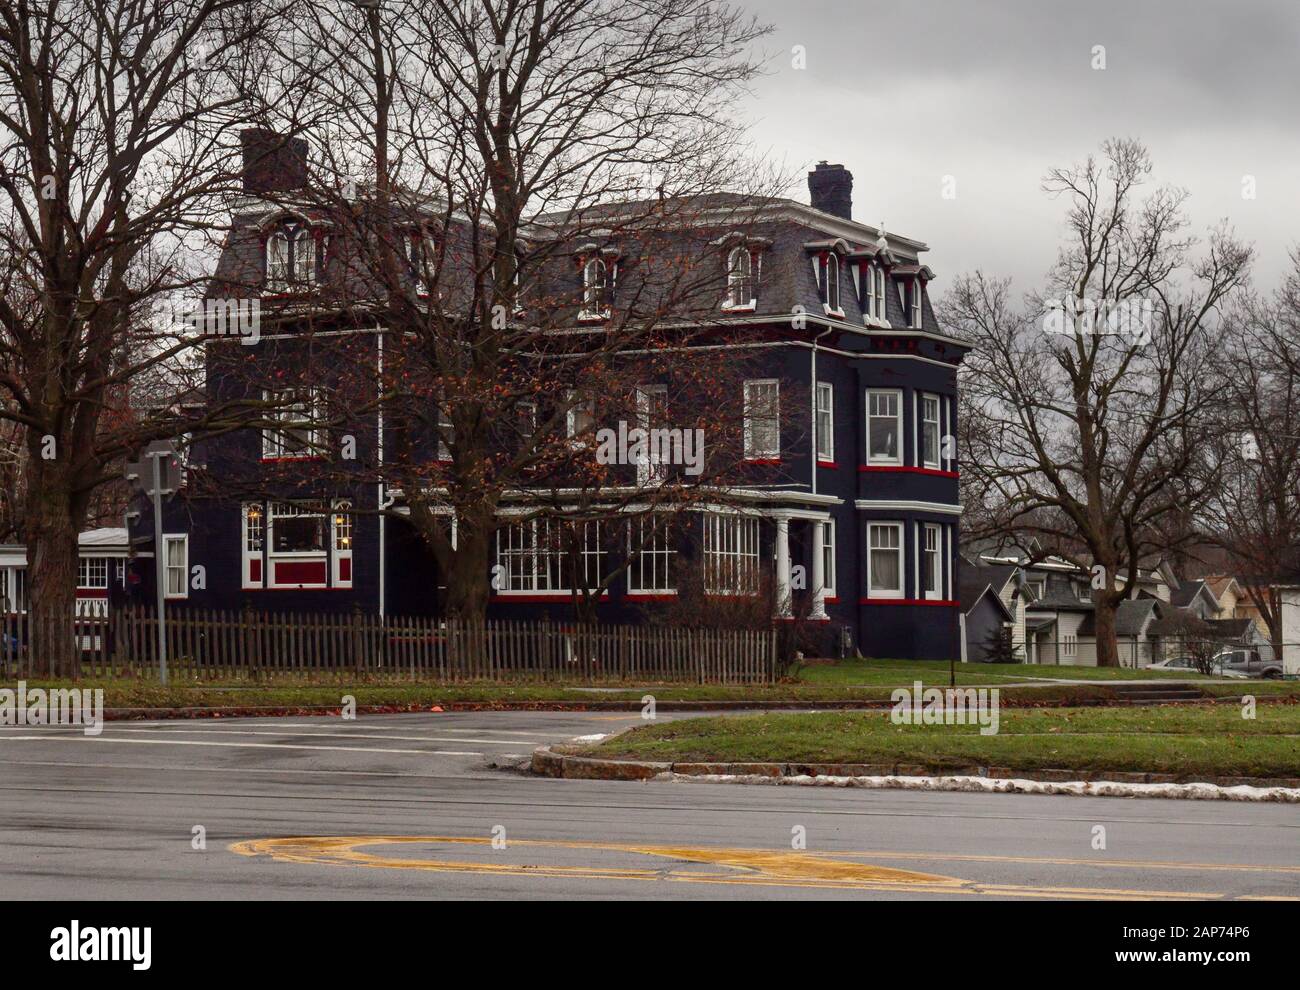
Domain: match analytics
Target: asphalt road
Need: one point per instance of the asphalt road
(408, 806)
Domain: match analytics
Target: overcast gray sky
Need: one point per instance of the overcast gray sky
(996, 92)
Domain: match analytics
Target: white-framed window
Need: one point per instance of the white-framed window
(884, 426)
(762, 419)
(828, 557)
(290, 256)
(825, 421)
(297, 529)
(526, 414)
(13, 589)
(253, 543)
(580, 417)
(875, 291)
(295, 412)
(176, 560)
(831, 283)
(446, 431)
(930, 431)
(596, 288)
(341, 539)
(653, 556)
(731, 562)
(537, 557)
(741, 283)
(915, 291)
(92, 573)
(422, 260)
(885, 560)
(1069, 645)
(651, 412)
(931, 563)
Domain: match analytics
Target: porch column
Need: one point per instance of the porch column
(818, 610)
(783, 568)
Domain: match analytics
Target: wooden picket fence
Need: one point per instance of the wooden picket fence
(213, 644)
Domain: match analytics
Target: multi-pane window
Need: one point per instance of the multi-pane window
(831, 282)
(595, 288)
(653, 556)
(254, 532)
(825, 422)
(875, 291)
(740, 277)
(13, 589)
(828, 557)
(885, 560)
(884, 426)
(914, 301)
(176, 559)
(731, 564)
(580, 418)
(931, 562)
(92, 572)
(290, 256)
(762, 419)
(930, 431)
(295, 413)
(540, 555)
(343, 526)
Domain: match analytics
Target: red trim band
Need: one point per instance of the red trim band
(946, 602)
(906, 469)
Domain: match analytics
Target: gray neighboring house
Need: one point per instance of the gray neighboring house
(992, 598)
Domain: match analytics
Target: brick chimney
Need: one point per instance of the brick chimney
(272, 162)
(831, 189)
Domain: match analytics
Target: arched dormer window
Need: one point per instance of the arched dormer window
(595, 288)
(290, 256)
(831, 282)
(875, 290)
(740, 278)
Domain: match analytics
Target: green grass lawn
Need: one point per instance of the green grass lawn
(850, 680)
(1187, 740)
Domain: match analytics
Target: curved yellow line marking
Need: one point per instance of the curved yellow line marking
(748, 865)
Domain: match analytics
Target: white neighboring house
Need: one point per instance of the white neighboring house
(101, 565)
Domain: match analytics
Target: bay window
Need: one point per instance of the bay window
(543, 556)
(931, 563)
(825, 422)
(884, 426)
(930, 431)
(731, 561)
(653, 556)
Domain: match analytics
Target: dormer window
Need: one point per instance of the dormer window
(595, 289)
(740, 279)
(421, 260)
(875, 278)
(831, 284)
(914, 303)
(290, 256)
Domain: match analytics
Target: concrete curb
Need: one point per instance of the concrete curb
(548, 763)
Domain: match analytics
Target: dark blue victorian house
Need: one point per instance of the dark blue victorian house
(853, 515)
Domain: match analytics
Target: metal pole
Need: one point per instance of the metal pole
(160, 564)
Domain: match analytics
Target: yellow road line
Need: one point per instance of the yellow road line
(756, 867)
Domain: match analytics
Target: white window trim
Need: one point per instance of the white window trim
(937, 463)
(167, 540)
(828, 566)
(91, 584)
(827, 441)
(341, 507)
(272, 555)
(730, 303)
(900, 592)
(664, 557)
(744, 553)
(539, 560)
(937, 562)
(648, 469)
(915, 312)
(273, 445)
(752, 452)
(246, 555)
(588, 284)
(897, 459)
(832, 259)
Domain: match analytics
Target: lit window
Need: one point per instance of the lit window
(885, 560)
(740, 278)
(176, 551)
(762, 419)
(884, 426)
(731, 564)
(825, 422)
(254, 530)
(930, 431)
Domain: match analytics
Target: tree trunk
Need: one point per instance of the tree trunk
(468, 581)
(1104, 617)
(51, 535)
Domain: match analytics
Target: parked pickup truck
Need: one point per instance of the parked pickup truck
(1245, 663)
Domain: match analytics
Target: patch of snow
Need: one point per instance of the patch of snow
(596, 738)
(994, 785)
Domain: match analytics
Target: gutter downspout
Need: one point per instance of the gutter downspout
(382, 500)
